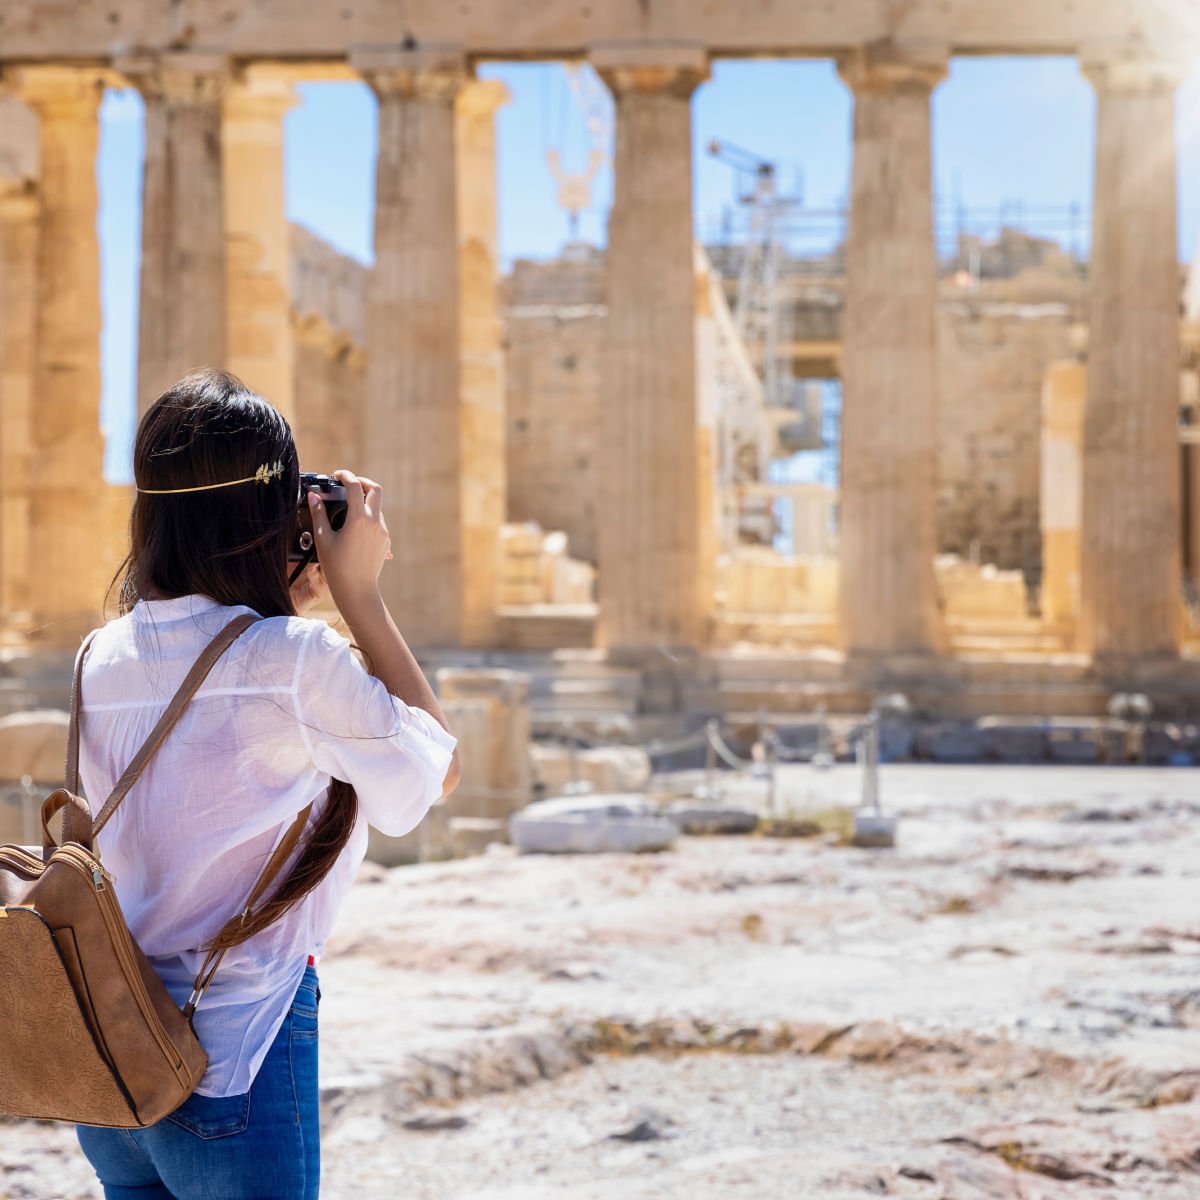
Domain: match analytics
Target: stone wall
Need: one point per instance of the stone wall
(329, 292)
(554, 322)
(992, 358)
(996, 338)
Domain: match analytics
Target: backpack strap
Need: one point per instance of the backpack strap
(191, 684)
(274, 865)
(71, 775)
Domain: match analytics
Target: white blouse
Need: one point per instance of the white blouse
(287, 707)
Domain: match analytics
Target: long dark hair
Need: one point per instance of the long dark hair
(228, 543)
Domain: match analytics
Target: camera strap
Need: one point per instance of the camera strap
(309, 555)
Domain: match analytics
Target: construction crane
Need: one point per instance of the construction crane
(592, 99)
(762, 320)
(761, 310)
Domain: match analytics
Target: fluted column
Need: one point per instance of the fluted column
(412, 424)
(1061, 489)
(18, 317)
(258, 324)
(648, 536)
(484, 477)
(181, 319)
(1130, 554)
(67, 521)
(888, 594)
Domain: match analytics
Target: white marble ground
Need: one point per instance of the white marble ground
(1007, 1005)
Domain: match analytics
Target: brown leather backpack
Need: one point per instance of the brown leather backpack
(89, 1033)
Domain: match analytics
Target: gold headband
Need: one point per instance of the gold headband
(264, 474)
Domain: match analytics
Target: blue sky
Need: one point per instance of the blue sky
(1010, 135)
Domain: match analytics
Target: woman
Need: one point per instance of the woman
(287, 716)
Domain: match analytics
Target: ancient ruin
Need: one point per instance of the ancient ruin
(1085, 501)
(1005, 569)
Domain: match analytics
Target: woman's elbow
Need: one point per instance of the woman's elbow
(453, 775)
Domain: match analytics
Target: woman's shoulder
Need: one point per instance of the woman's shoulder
(304, 642)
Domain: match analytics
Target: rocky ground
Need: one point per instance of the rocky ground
(1005, 1006)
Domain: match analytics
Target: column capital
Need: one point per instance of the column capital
(1111, 70)
(895, 67)
(58, 91)
(253, 93)
(672, 68)
(430, 74)
(482, 97)
(183, 78)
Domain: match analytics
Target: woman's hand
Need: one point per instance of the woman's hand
(352, 557)
(310, 590)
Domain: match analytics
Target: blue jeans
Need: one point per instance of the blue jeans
(264, 1145)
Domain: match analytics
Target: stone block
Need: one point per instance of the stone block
(614, 824)
(897, 739)
(872, 831)
(473, 835)
(471, 722)
(34, 744)
(951, 742)
(1016, 741)
(500, 780)
(1170, 745)
(1073, 742)
(606, 768)
(698, 820)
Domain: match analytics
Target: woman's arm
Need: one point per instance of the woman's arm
(351, 559)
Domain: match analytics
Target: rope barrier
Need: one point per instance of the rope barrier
(771, 746)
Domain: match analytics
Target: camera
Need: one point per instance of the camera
(333, 494)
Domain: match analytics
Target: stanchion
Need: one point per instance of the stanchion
(871, 827)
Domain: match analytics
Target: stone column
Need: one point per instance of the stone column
(484, 477)
(1062, 439)
(67, 522)
(18, 318)
(500, 767)
(648, 537)
(412, 425)
(1130, 602)
(888, 601)
(258, 306)
(181, 319)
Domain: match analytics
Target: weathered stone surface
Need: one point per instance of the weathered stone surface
(606, 768)
(888, 534)
(181, 310)
(259, 335)
(648, 540)
(952, 742)
(482, 363)
(621, 824)
(701, 819)
(1130, 555)
(67, 525)
(473, 835)
(1011, 740)
(493, 709)
(750, 989)
(412, 425)
(1074, 743)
